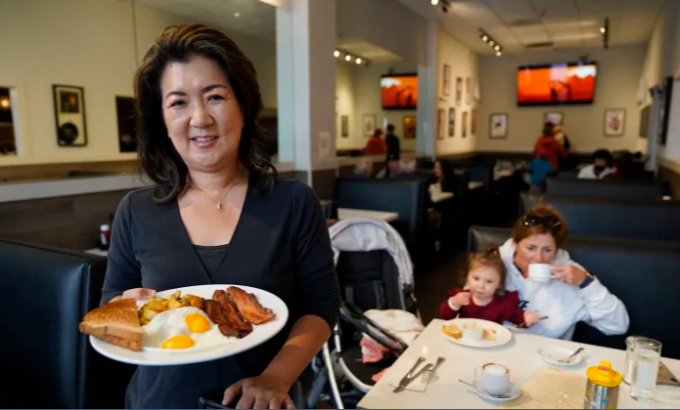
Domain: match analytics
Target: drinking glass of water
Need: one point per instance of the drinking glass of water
(645, 367)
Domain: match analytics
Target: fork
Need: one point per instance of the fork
(427, 376)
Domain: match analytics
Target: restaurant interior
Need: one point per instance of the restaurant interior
(429, 130)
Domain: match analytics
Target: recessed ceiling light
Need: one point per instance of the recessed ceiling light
(336, 53)
(434, 2)
(491, 43)
(358, 60)
(498, 54)
(603, 30)
(348, 57)
(237, 14)
(497, 48)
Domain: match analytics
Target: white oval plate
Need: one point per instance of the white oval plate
(260, 334)
(553, 354)
(503, 335)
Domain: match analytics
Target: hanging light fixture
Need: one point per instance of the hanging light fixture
(495, 45)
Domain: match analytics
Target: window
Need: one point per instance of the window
(8, 144)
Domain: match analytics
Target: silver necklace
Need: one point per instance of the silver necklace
(219, 203)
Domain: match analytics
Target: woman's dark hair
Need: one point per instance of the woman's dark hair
(488, 257)
(157, 156)
(603, 154)
(548, 128)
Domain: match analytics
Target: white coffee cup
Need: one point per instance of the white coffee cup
(472, 332)
(540, 272)
(494, 378)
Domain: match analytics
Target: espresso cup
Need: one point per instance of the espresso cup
(540, 272)
(494, 378)
(472, 332)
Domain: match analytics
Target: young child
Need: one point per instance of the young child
(484, 296)
(539, 169)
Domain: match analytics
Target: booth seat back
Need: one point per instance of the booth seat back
(47, 362)
(616, 189)
(644, 275)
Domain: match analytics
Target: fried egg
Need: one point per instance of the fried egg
(182, 330)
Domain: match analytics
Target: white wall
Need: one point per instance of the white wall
(464, 64)
(619, 70)
(89, 44)
(358, 93)
(385, 23)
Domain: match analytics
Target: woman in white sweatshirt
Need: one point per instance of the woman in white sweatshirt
(573, 296)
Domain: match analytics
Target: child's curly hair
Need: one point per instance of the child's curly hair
(489, 256)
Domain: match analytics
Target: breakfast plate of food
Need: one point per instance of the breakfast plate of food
(186, 325)
(476, 333)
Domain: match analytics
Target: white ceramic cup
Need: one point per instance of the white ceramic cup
(472, 332)
(540, 272)
(493, 378)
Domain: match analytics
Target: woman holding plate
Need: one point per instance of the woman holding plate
(218, 214)
(573, 296)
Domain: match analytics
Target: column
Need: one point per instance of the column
(426, 130)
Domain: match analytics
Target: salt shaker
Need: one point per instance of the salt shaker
(602, 390)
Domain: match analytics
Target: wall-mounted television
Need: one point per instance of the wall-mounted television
(556, 84)
(399, 91)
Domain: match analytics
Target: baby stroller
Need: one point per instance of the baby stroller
(375, 272)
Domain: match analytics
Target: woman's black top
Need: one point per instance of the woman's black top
(280, 244)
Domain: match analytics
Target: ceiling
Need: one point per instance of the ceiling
(516, 24)
(367, 51)
(255, 17)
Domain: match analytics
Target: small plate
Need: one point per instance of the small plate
(503, 335)
(552, 355)
(513, 391)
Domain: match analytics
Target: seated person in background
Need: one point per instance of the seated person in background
(408, 164)
(364, 169)
(624, 167)
(484, 296)
(375, 145)
(392, 168)
(539, 169)
(444, 176)
(600, 168)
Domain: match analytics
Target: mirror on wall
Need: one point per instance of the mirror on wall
(8, 145)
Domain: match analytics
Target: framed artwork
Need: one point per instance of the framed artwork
(409, 127)
(473, 122)
(498, 126)
(369, 124)
(344, 126)
(441, 119)
(459, 90)
(446, 82)
(69, 115)
(614, 122)
(556, 118)
(452, 122)
(468, 90)
(464, 124)
(127, 124)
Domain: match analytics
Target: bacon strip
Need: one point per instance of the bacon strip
(218, 316)
(248, 306)
(232, 313)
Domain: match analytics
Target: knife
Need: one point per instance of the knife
(406, 381)
(410, 372)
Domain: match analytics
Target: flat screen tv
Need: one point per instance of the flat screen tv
(399, 91)
(556, 84)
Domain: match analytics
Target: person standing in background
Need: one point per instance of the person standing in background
(553, 149)
(376, 144)
(393, 145)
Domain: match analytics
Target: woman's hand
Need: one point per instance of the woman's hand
(261, 392)
(530, 318)
(137, 293)
(569, 274)
(461, 299)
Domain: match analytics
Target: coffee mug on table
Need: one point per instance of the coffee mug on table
(494, 378)
(472, 332)
(540, 272)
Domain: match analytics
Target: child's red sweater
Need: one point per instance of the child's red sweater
(500, 309)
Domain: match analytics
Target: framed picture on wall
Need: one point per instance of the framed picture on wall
(409, 127)
(369, 124)
(127, 125)
(344, 126)
(498, 126)
(468, 90)
(441, 120)
(614, 122)
(452, 122)
(446, 81)
(464, 124)
(459, 90)
(473, 122)
(556, 118)
(69, 115)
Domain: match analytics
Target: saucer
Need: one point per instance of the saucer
(553, 354)
(513, 391)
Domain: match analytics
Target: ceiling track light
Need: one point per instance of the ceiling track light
(445, 4)
(350, 58)
(605, 33)
(495, 45)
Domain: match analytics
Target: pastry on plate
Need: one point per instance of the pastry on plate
(452, 330)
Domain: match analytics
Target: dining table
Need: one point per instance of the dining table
(519, 355)
(348, 213)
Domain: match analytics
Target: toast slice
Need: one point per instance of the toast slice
(116, 322)
(452, 330)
